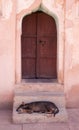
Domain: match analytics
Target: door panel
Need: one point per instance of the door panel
(28, 47)
(28, 68)
(46, 60)
(28, 57)
(47, 46)
(46, 25)
(46, 68)
(29, 25)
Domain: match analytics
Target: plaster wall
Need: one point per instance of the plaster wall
(72, 53)
(7, 53)
(67, 19)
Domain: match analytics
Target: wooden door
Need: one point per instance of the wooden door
(39, 46)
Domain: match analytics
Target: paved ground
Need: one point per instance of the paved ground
(72, 124)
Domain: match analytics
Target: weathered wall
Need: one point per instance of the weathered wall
(72, 53)
(10, 10)
(7, 52)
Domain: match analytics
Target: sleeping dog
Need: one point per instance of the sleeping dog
(38, 107)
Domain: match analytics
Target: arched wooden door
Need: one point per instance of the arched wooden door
(39, 46)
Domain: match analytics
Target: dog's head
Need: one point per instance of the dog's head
(21, 108)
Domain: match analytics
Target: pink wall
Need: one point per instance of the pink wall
(7, 55)
(8, 43)
(72, 53)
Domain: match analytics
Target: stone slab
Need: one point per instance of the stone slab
(46, 126)
(5, 117)
(39, 87)
(10, 127)
(35, 117)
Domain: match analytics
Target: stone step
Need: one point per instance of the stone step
(42, 87)
(58, 99)
(36, 118)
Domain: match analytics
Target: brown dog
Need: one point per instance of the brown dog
(38, 107)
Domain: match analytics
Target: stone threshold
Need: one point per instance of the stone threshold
(39, 86)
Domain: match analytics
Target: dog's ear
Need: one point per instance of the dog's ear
(23, 103)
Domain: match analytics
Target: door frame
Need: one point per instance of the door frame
(60, 42)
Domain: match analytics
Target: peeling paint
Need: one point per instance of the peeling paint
(7, 8)
(23, 4)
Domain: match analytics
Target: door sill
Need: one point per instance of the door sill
(39, 80)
